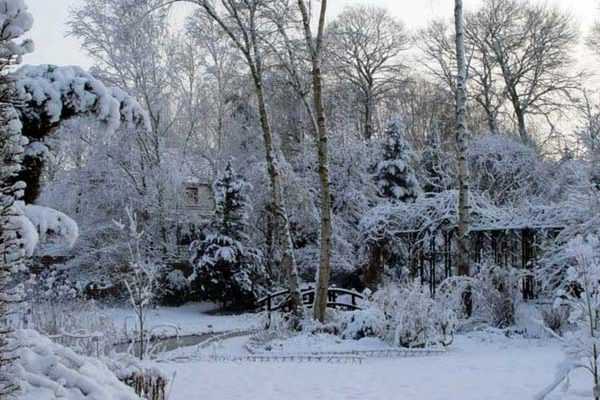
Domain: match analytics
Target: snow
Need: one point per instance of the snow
(50, 222)
(189, 319)
(479, 366)
(321, 343)
(48, 371)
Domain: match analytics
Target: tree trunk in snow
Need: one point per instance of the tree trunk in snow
(244, 35)
(522, 125)
(314, 48)
(288, 261)
(369, 111)
(461, 147)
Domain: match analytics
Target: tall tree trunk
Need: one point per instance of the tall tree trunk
(461, 133)
(369, 111)
(314, 47)
(248, 44)
(288, 261)
(521, 124)
(492, 125)
(326, 223)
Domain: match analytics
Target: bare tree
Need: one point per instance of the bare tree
(221, 64)
(531, 43)
(141, 280)
(438, 45)
(483, 86)
(365, 44)
(487, 91)
(132, 54)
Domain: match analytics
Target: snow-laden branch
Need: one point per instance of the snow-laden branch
(40, 223)
(51, 94)
(15, 21)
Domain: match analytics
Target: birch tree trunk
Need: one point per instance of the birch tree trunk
(245, 37)
(369, 111)
(314, 48)
(461, 133)
(288, 261)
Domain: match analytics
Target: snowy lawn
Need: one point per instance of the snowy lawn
(190, 318)
(476, 368)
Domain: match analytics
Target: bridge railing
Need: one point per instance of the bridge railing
(280, 300)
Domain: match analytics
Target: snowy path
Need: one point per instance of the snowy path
(474, 370)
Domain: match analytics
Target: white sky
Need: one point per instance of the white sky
(53, 48)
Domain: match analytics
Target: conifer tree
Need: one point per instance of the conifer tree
(226, 268)
(232, 204)
(14, 244)
(394, 175)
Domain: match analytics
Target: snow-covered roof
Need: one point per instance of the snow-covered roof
(432, 212)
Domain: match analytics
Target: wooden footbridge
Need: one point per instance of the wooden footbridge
(337, 298)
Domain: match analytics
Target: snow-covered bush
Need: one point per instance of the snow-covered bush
(404, 315)
(556, 318)
(48, 371)
(175, 288)
(410, 309)
(581, 293)
(494, 294)
(497, 293)
(368, 322)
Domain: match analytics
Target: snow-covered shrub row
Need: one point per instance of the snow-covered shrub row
(47, 371)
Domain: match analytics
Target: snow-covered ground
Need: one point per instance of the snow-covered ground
(190, 318)
(478, 367)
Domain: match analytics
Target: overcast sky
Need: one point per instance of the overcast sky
(53, 48)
